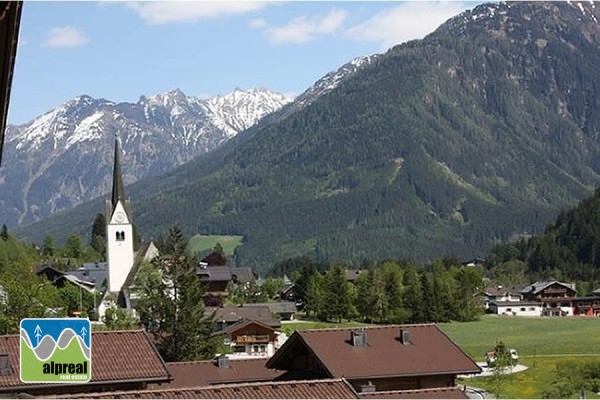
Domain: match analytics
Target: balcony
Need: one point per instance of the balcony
(244, 339)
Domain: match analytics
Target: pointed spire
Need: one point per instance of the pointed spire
(117, 190)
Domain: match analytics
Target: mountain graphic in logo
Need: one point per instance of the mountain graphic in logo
(55, 350)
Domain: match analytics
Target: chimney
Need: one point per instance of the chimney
(405, 336)
(5, 368)
(222, 361)
(368, 388)
(359, 339)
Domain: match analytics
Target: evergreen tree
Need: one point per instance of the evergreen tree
(315, 295)
(413, 298)
(74, 246)
(98, 234)
(48, 247)
(4, 232)
(171, 303)
(338, 302)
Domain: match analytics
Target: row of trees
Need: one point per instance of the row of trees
(392, 292)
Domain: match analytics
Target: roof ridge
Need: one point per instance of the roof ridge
(372, 327)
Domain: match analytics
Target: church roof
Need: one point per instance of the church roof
(118, 193)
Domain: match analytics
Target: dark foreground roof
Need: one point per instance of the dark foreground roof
(117, 357)
(205, 373)
(430, 352)
(305, 389)
(10, 20)
(316, 389)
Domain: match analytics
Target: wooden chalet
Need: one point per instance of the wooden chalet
(555, 297)
(386, 358)
(252, 338)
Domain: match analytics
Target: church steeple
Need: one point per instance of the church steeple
(117, 190)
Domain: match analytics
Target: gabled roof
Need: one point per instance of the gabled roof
(352, 274)
(204, 373)
(214, 274)
(276, 307)
(539, 286)
(430, 352)
(503, 290)
(246, 323)
(241, 275)
(117, 357)
(232, 314)
(315, 389)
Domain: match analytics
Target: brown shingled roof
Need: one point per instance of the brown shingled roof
(431, 352)
(437, 393)
(204, 373)
(117, 356)
(315, 389)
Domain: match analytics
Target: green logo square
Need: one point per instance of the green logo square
(56, 350)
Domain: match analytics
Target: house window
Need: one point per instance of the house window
(508, 309)
(522, 308)
(531, 308)
(120, 236)
(239, 349)
(259, 348)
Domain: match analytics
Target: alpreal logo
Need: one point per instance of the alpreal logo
(56, 350)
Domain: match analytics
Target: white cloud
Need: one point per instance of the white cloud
(163, 12)
(411, 20)
(65, 36)
(258, 23)
(306, 28)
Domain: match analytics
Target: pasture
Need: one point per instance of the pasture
(542, 343)
(200, 243)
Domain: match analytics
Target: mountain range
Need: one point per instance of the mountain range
(482, 131)
(63, 158)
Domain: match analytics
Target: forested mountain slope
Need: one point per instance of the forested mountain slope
(484, 129)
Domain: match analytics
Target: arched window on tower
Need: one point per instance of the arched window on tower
(120, 236)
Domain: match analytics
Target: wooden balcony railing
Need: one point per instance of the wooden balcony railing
(243, 339)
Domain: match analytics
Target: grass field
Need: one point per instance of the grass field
(542, 344)
(207, 242)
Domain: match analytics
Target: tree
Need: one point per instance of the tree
(502, 362)
(4, 232)
(48, 247)
(412, 296)
(74, 246)
(98, 236)
(338, 301)
(170, 303)
(118, 319)
(216, 257)
(315, 295)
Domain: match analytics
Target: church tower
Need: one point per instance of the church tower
(119, 230)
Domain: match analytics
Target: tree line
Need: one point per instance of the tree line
(388, 291)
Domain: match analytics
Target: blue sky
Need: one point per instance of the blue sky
(122, 50)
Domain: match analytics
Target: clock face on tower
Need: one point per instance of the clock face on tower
(119, 217)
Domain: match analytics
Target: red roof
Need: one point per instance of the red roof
(204, 373)
(314, 389)
(117, 356)
(430, 352)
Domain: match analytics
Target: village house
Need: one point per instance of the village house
(252, 339)
(383, 358)
(556, 297)
(121, 360)
(231, 315)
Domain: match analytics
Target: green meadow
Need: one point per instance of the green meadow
(543, 345)
(207, 242)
